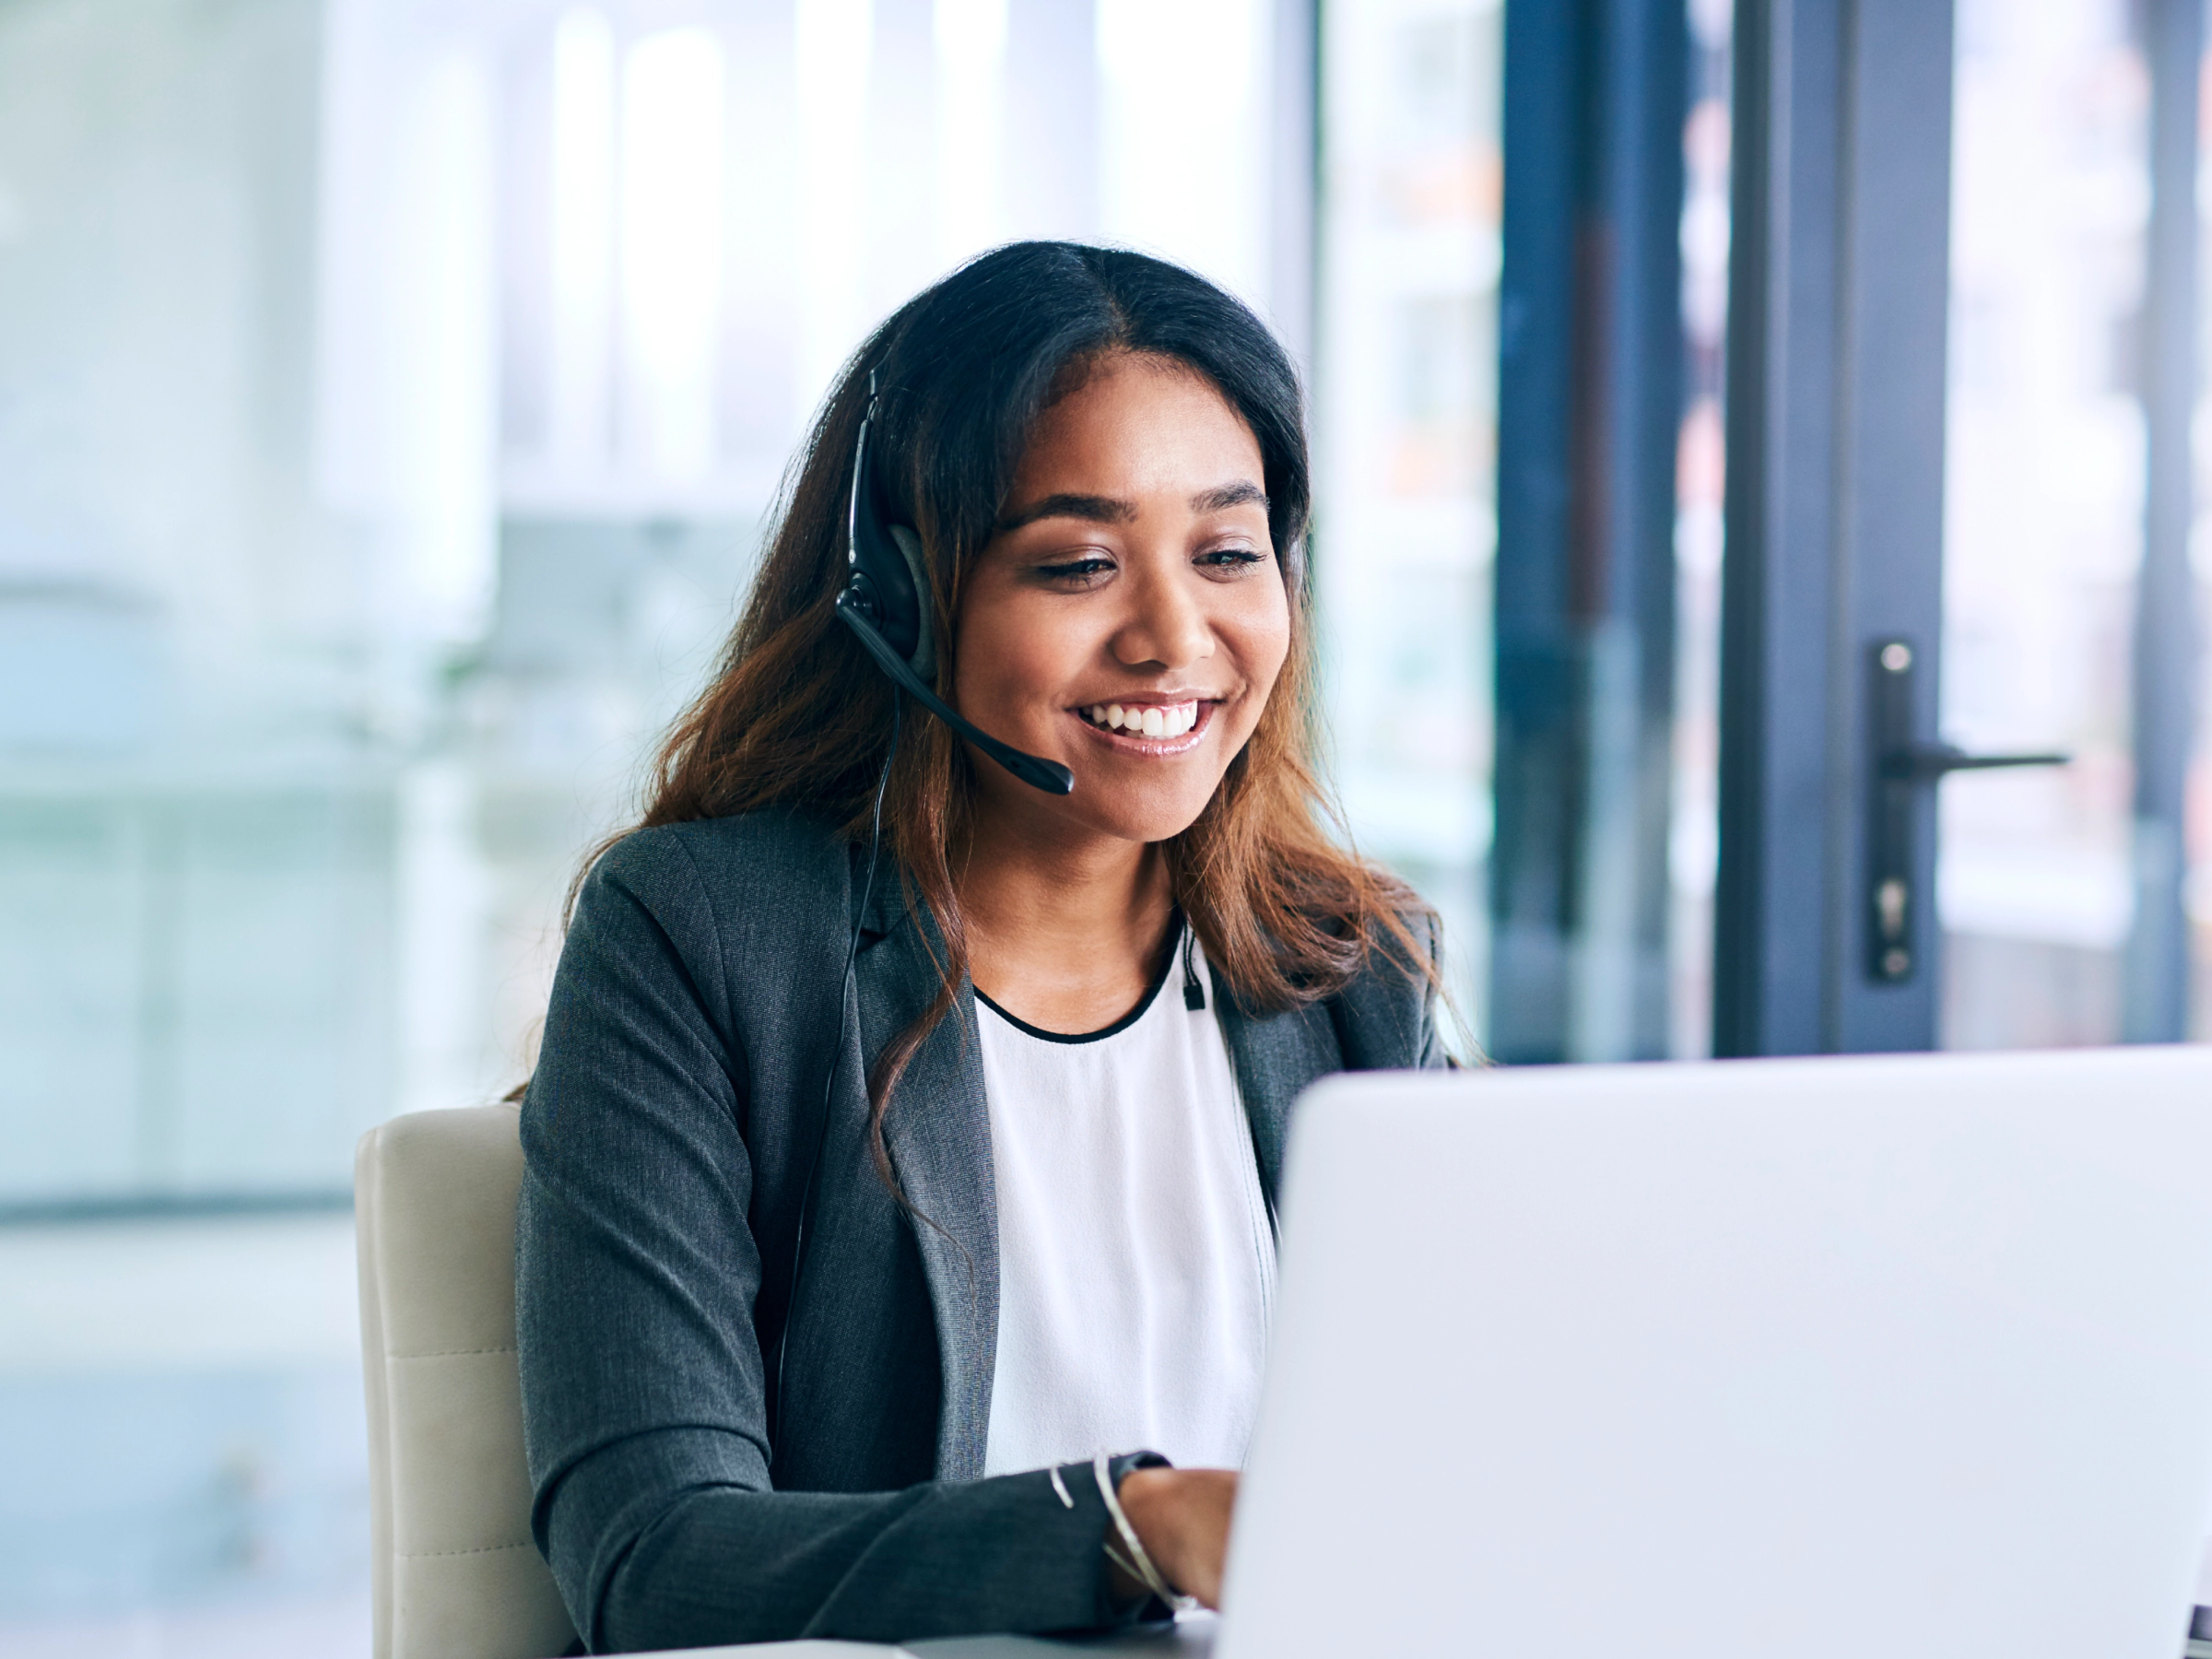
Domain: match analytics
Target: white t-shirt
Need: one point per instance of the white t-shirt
(1136, 1259)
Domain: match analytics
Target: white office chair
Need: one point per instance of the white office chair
(454, 1572)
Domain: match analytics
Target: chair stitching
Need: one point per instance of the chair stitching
(424, 1555)
(452, 1353)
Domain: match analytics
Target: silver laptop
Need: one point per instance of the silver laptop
(1892, 1357)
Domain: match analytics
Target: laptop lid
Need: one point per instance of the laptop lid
(1907, 1356)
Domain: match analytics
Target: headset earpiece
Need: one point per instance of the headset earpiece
(923, 660)
(887, 579)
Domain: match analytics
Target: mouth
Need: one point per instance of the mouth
(1151, 728)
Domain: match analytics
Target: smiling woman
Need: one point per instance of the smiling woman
(1130, 590)
(796, 1363)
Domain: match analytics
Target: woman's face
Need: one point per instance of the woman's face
(1128, 618)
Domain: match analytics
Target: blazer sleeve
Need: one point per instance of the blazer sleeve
(643, 1402)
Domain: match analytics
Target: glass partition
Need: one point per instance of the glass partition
(389, 401)
(2051, 193)
(1406, 433)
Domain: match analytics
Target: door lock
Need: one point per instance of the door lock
(1903, 765)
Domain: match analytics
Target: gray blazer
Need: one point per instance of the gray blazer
(667, 1135)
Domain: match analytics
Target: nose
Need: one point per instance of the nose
(1166, 628)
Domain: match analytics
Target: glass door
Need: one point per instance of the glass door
(1958, 701)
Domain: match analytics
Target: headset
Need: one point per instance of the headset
(884, 604)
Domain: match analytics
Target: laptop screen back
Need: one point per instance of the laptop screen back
(1903, 1356)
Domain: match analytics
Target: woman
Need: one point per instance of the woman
(883, 1227)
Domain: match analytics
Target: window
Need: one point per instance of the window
(1405, 439)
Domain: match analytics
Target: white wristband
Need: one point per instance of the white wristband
(1137, 1564)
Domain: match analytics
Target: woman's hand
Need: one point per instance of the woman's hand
(1182, 1517)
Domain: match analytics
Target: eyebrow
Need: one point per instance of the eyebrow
(1096, 510)
(1106, 510)
(1224, 497)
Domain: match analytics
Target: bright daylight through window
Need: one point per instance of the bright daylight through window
(392, 402)
(394, 398)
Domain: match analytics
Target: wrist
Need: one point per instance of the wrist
(1126, 1590)
(1136, 1572)
(1142, 1492)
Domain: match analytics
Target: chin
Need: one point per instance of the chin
(1137, 821)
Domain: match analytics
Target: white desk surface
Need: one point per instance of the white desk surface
(1191, 1636)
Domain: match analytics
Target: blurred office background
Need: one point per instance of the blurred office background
(391, 396)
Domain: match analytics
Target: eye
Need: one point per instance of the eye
(1075, 573)
(1229, 560)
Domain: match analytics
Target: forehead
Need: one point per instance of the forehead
(1138, 427)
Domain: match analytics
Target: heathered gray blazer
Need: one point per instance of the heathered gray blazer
(667, 1135)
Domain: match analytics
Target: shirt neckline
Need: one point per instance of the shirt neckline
(1166, 968)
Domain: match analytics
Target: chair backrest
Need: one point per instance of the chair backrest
(454, 1571)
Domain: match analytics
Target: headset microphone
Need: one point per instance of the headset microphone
(884, 603)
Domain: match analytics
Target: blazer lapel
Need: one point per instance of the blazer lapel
(938, 1134)
(1276, 1055)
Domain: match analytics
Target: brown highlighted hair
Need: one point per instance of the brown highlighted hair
(798, 716)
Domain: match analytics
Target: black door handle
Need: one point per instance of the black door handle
(1903, 764)
(1925, 762)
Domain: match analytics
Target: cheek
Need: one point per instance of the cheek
(1261, 640)
(1011, 655)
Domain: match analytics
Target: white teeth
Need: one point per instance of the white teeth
(1169, 720)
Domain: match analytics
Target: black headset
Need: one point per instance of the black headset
(884, 604)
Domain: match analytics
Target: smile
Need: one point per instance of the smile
(1144, 720)
(1150, 724)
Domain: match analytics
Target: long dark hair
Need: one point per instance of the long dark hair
(797, 716)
